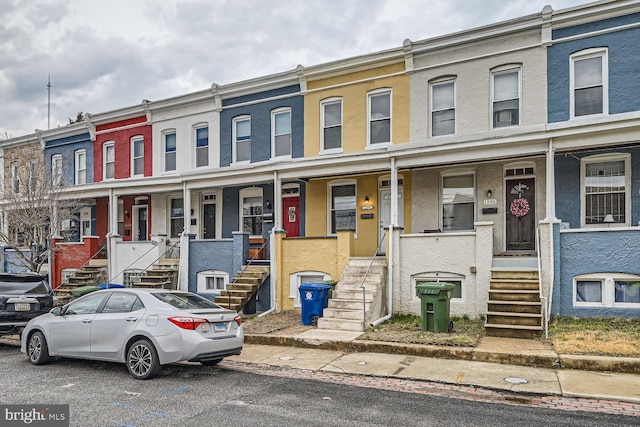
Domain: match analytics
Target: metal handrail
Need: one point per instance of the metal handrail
(244, 268)
(168, 248)
(364, 290)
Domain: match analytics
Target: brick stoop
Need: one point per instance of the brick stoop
(243, 288)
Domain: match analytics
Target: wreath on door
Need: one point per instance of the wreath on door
(519, 207)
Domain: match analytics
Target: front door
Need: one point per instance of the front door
(140, 223)
(291, 216)
(520, 214)
(385, 216)
(209, 221)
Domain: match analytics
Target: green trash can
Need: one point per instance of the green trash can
(435, 300)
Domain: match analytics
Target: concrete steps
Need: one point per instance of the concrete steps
(243, 288)
(91, 274)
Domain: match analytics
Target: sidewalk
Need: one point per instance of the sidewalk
(516, 365)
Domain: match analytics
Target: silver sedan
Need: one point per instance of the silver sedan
(144, 328)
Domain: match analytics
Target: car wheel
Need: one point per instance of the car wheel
(213, 362)
(37, 349)
(142, 360)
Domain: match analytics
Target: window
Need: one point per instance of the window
(202, 147)
(438, 277)
(589, 82)
(331, 117)
(137, 156)
(132, 276)
(607, 290)
(212, 281)
(281, 128)
(251, 211)
(297, 279)
(81, 167)
(379, 117)
(242, 139)
(33, 176)
(506, 98)
(177, 217)
(606, 190)
(458, 202)
(56, 169)
(343, 207)
(109, 152)
(67, 273)
(169, 151)
(15, 178)
(443, 108)
(87, 305)
(122, 303)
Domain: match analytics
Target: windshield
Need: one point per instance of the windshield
(19, 286)
(184, 300)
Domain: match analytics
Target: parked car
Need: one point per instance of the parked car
(143, 328)
(23, 296)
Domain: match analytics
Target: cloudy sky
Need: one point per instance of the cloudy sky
(107, 54)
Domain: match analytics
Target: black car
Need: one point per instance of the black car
(23, 296)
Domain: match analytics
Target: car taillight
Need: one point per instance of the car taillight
(238, 320)
(186, 322)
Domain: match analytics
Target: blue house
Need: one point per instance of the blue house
(593, 116)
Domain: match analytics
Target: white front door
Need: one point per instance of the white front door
(384, 212)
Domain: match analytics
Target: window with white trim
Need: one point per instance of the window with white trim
(202, 146)
(379, 108)
(137, 156)
(242, 139)
(251, 211)
(170, 149)
(109, 160)
(80, 167)
(458, 202)
(68, 273)
(505, 102)
(606, 290)
(281, 132)
(443, 108)
(15, 177)
(589, 78)
(177, 217)
(442, 277)
(331, 118)
(33, 176)
(297, 279)
(342, 212)
(56, 170)
(212, 281)
(606, 188)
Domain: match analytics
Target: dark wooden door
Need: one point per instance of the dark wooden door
(521, 214)
(291, 216)
(209, 221)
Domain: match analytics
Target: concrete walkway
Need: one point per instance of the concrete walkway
(516, 365)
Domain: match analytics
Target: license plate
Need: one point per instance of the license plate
(22, 306)
(219, 327)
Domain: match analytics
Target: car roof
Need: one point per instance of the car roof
(21, 277)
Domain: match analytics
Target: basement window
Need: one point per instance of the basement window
(606, 290)
(297, 279)
(212, 281)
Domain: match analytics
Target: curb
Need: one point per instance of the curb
(625, 365)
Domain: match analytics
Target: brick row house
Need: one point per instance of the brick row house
(501, 159)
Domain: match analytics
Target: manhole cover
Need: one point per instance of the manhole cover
(516, 380)
(287, 358)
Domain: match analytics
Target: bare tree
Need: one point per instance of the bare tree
(34, 204)
(79, 118)
(5, 135)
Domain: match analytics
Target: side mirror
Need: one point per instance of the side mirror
(56, 311)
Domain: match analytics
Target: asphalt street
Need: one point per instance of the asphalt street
(235, 394)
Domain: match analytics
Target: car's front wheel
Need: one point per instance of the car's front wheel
(142, 360)
(37, 349)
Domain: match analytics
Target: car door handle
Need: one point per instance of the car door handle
(130, 319)
(86, 320)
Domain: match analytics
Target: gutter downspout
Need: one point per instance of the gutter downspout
(391, 237)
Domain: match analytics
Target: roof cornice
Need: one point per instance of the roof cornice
(259, 84)
(594, 11)
(353, 64)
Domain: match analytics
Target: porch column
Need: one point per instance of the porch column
(551, 184)
(186, 203)
(113, 232)
(484, 260)
(277, 203)
(394, 193)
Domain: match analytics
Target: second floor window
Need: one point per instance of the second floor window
(506, 98)
(242, 139)
(56, 170)
(170, 151)
(443, 108)
(109, 154)
(202, 147)
(15, 178)
(589, 83)
(331, 111)
(137, 156)
(33, 176)
(380, 117)
(81, 167)
(281, 128)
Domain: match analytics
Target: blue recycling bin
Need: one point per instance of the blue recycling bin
(314, 298)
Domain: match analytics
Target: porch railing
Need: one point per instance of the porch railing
(364, 278)
(168, 249)
(244, 268)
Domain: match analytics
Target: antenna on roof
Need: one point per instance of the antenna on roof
(49, 101)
